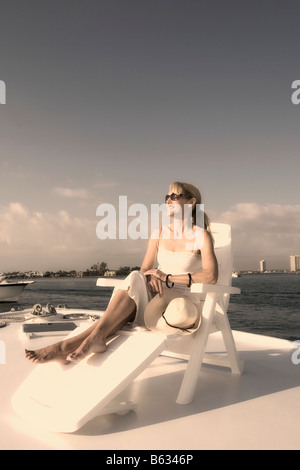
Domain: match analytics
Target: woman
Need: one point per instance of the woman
(184, 258)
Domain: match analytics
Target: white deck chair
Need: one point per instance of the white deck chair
(51, 396)
(214, 318)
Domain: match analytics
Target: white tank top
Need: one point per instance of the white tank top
(179, 262)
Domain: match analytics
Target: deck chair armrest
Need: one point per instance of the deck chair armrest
(109, 282)
(214, 289)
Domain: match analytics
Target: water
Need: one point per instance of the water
(72, 292)
(269, 303)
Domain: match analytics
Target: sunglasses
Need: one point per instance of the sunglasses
(173, 197)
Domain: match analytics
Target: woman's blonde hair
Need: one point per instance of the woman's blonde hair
(190, 191)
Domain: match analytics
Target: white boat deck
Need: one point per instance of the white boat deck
(258, 410)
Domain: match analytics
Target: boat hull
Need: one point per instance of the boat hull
(265, 397)
(10, 292)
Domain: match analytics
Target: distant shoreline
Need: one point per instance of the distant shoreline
(80, 275)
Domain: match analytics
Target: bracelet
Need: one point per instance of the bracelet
(167, 278)
(190, 280)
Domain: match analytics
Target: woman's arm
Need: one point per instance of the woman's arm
(153, 282)
(208, 274)
(150, 256)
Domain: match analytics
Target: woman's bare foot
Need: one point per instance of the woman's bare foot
(94, 343)
(56, 352)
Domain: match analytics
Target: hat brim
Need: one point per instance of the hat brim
(160, 304)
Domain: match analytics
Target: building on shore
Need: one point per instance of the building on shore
(262, 265)
(109, 273)
(295, 263)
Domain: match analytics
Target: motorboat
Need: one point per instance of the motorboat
(79, 406)
(258, 410)
(236, 274)
(10, 291)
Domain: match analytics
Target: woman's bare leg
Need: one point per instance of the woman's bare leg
(120, 310)
(58, 351)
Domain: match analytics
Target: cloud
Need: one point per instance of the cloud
(9, 170)
(269, 231)
(79, 193)
(40, 240)
(57, 240)
(105, 184)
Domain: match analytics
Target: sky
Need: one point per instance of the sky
(121, 97)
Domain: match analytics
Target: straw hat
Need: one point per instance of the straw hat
(172, 313)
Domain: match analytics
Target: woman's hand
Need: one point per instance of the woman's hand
(155, 280)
